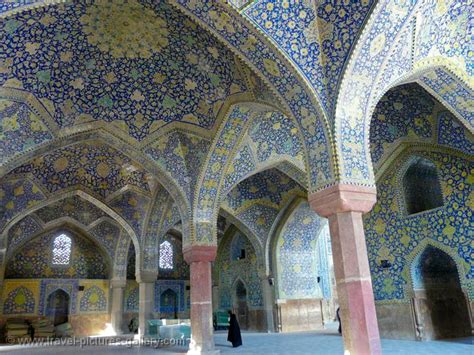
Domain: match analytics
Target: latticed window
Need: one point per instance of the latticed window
(166, 255)
(62, 250)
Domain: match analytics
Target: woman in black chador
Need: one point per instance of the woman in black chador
(234, 335)
(339, 320)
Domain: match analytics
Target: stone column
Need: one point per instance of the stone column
(267, 294)
(199, 259)
(116, 316)
(344, 205)
(146, 281)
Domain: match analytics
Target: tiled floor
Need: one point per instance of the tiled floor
(326, 343)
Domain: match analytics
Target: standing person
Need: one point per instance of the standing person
(339, 320)
(234, 335)
(31, 331)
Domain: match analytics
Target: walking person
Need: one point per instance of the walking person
(339, 320)
(234, 335)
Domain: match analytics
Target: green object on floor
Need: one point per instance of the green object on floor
(221, 319)
(154, 327)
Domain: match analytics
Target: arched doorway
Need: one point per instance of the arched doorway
(58, 306)
(441, 305)
(169, 304)
(240, 304)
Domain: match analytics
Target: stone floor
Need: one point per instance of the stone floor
(327, 343)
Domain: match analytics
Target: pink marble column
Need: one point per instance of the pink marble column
(344, 205)
(202, 333)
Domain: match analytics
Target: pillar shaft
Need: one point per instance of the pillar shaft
(116, 320)
(267, 293)
(146, 282)
(344, 205)
(202, 334)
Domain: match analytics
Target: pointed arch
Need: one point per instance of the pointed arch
(62, 226)
(418, 250)
(106, 135)
(62, 195)
(388, 53)
(298, 99)
(270, 245)
(254, 241)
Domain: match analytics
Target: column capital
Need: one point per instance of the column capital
(343, 198)
(200, 253)
(146, 276)
(118, 283)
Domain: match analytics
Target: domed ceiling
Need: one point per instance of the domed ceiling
(139, 64)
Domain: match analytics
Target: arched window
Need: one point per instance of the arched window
(62, 250)
(166, 255)
(421, 187)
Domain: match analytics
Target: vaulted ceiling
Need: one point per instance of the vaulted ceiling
(162, 86)
(140, 65)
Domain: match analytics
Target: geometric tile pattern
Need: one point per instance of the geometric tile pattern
(47, 287)
(442, 37)
(20, 129)
(229, 270)
(454, 134)
(11, 5)
(410, 113)
(257, 200)
(131, 297)
(452, 92)
(297, 249)
(225, 144)
(241, 36)
(177, 286)
(405, 111)
(356, 91)
(132, 206)
(94, 299)
(392, 235)
(95, 166)
(74, 207)
(19, 301)
(35, 260)
(21, 231)
(107, 234)
(182, 155)
(16, 196)
(121, 254)
(112, 57)
(316, 36)
(444, 31)
(271, 137)
(161, 205)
